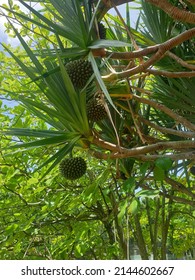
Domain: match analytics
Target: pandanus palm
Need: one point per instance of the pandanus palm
(132, 76)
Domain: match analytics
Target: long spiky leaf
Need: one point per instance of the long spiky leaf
(30, 53)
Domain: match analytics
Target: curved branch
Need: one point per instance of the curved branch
(167, 7)
(162, 49)
(166, 110)
(171, 74)
(106, 5)
(132, 55)
(121, 152)
(174, 12)
(175, 157)
(180, 61)
(172, 197)
(166, 46)
(181, 199)
(165, 130)
(179, 187)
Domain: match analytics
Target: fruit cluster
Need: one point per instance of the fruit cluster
(73, 168)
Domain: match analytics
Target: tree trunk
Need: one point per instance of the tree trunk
(140, 239)
(153, 227)
(165, 225)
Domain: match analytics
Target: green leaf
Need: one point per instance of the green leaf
(27, 18)
(43, 142)
(73, 21)
(63, 30)
(100, 81)
(26, 69)
(100, 180)
(158, 24)
(32, 181)
(122, 212)
(129, 184)
(30, 53)
(133, 207)
(108, 43)
(164, 163)
(147, 193)
(77, 101)
(144, 167)
(159, 173)
(37, 132)
(11, 229)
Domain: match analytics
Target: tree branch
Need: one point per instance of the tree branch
(180, 199)
(171, 74)
(179, 187)
(121, 152)
(133, 54)
(144, 158)
(166, 110)
(162, 49)
(167, 7)
(165, 130)
(174, 12)
(175, 157)
(174, 198)
(106, 5)
(180, 61)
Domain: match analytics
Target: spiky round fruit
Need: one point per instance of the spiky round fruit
(102, 30)
(96, 110)
(73, 168)
(79, 72)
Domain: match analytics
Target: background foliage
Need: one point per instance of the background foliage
(138, 192)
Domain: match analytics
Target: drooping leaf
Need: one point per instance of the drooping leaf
(133, 207)
(147, 193)
(159, 173)
(100, 81)
(122, 212)
(164, 163)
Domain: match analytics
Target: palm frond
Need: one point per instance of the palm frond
(157, 24)
(177, 94)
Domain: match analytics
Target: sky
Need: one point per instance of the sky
(4, 38)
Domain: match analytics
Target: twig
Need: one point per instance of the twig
(181, 61)
(165, 130)
(23, 200)
(171, 74)
(166, 110)
(179, 187)
(135, 122)
(175, 198)
(175, 157)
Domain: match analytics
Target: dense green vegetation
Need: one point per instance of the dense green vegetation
(139, 187)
